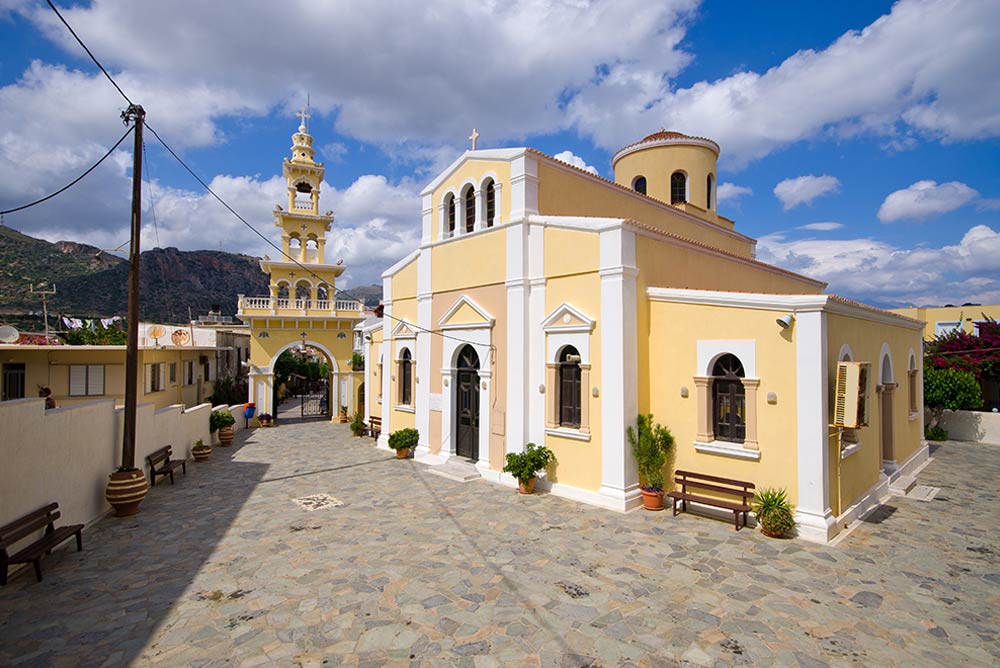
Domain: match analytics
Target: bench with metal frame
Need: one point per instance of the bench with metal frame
(711, 483)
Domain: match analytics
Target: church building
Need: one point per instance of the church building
(549, 305)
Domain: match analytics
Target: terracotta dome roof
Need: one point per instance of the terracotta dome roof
(665, 135)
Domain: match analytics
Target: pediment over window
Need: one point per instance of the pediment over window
(568, 319)
(403, 331)
(465, 314)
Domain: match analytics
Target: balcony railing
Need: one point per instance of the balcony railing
(268, 304)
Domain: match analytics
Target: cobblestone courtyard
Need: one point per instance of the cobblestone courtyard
(226, 569)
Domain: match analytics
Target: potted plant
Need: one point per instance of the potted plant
(403, 441)
(357, 362)
(358, 424)
(343, 414)
(774, 514)
(651, 445)
(525, 466)
(265, 419)
(201, 451)
(222, 421)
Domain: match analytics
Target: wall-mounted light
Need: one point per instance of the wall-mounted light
(594, 392)
(684, 392)
(772, 398)
(785, 321)
(541, 389)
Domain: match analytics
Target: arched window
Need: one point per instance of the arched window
(728, 400)
(639, 184)
(912, 379)
(470, 209)
(569, 388)
(491, 203)
(303, 294)
(283, 291)
(709, 183)
(678, 188)
(405, 377)
(322, 292)
(450, 206)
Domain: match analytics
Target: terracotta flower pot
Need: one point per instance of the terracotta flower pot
(527, 487)
(402, 453)
(652, 500)
(201, 455)
(226, 435)
(125, 491)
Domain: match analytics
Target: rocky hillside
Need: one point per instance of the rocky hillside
(93, 284)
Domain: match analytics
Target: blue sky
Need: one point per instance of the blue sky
(859, 139)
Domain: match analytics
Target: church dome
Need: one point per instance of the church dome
(671, 167)
(664, 137)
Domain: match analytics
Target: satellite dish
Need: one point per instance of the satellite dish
(9, 335)
(180, 337)
(156, 332)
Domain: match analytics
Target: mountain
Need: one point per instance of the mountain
(91, 283)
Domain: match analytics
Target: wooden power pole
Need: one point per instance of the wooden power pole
(136, 114)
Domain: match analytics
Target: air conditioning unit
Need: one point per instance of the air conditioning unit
(851, 408)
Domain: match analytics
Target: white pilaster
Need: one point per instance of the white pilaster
(427, 219)
(535, 335)
(388, 362)
(524, 187)
(516, 431)
(480, 223)
(496, 203)
(813, 514)
(619, 402)
(423, 353)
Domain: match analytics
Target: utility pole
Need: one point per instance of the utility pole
(136, 114)
(45, 307)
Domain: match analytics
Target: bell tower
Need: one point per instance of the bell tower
(303, 228)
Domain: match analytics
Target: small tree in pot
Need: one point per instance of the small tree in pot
(358, 424)
(222, 421)
(651, 445)
(524, 466)
(201, 451)
(403, 441)
(774, 514)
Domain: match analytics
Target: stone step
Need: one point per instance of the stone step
(459, 470)
(902, 484)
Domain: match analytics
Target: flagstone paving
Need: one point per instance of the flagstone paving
(381, 564)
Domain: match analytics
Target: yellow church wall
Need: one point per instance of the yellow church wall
(968, 316)
(860, 470)
(493, 300)
(578, 463)
(563, 192)
(670, 362)
(475, 172)
(404, 282)
(571, 251)
(657, 164)
(405, 309)
(665, 265)
(451, 268)
(373, 381)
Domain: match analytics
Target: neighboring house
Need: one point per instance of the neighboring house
(179, 366)
(943, 319)
(302, 309)
(547, 304)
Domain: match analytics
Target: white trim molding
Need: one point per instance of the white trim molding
(562, 320)
(489, 320)
(562, 432)
(727, 450)
(744, 349)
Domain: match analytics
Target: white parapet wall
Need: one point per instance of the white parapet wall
(972, 426)
(66, 454)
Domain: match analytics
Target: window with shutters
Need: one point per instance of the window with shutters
(449, 205)
(86, 380)
(569, 388)
(154, 377)
(405, 378)
(491, 202)
(172, 373)
(189, 372)
(728, 400)
(469, 197)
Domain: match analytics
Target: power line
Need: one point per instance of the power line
(149, 189)
(270, 243)
(92, 57)
(74, 181)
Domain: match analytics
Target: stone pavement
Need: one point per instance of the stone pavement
(396, 567)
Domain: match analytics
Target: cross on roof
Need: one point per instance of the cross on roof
(305, 116)
(473, 137)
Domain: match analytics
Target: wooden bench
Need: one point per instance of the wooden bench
(43, 518)
(374, 426)
(738, 488)
(166, 468)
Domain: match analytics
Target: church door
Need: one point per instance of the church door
(467, 404)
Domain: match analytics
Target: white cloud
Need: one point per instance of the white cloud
(575, 160)
(804, 189)
(731, 191)
(924, 199)
(821, 227)
(927, 66)
(879, 273)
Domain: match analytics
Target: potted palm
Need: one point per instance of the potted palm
(774, 513)
(651, 445)
(358, 424)
(525, 466)
(201, 451)
(403, 441)
(222, 421)
(343, 414)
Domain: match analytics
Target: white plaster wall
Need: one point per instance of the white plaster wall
(66, 454)
(971, 426)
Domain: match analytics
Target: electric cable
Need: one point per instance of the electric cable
(74, 181)
(92, 56)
